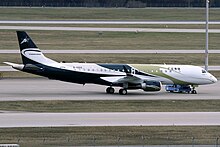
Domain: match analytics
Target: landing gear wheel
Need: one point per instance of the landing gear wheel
(194, 92)
(123, 91)
(110, 90)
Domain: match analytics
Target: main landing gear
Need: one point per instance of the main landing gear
(193, 90)
(111, 90)
(123, 91)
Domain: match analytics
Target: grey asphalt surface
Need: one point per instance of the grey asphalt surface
(104, 51)
(44, 89)
(9, 68)
(108, 29)
(27, 119)
(131, 22)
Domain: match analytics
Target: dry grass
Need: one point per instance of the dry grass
(113, 106)
(106, 13)
(191, 59)
(69, 136)
(60, 40)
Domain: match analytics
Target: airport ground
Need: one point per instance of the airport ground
(57, 136)
(191, 59)
(81, 40)
(32, 90)
(29, 91)
(107, 14)
(76, 136)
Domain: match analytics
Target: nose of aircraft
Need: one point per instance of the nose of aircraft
(211, 78)
(214, 79)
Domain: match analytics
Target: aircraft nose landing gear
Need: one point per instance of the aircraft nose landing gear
(193, 90)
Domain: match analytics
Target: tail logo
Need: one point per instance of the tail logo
(25, 40)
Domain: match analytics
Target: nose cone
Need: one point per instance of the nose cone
(214, 79)
(211, 78)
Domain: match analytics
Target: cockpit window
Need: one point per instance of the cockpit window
(203, 71)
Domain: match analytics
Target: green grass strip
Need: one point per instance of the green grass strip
(113, 106)
(75, 136)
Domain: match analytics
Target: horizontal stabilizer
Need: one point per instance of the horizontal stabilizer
(15, 66)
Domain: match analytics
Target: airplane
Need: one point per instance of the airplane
(148, 77)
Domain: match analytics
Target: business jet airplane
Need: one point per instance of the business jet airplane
(148, 77)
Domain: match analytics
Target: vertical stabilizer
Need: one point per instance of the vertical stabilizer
(25, 41)
(30, 53)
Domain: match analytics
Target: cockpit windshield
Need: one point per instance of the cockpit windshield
(204, 71)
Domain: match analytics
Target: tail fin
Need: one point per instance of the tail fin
(25, 41)
(29, 51)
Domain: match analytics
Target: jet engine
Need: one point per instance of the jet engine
(151, 86)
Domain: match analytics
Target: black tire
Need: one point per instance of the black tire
(194, 92)
(110, 90)
(123, 91)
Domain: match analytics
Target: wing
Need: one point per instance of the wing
(123, 79)
(129, 78)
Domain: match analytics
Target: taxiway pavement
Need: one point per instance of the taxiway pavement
(8, 120)
(44, 89)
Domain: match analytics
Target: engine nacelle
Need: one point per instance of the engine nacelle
(151, 86)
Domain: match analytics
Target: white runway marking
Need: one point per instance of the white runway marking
(110, 119)
(125, 51)
(108, 29)
(117, 22)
